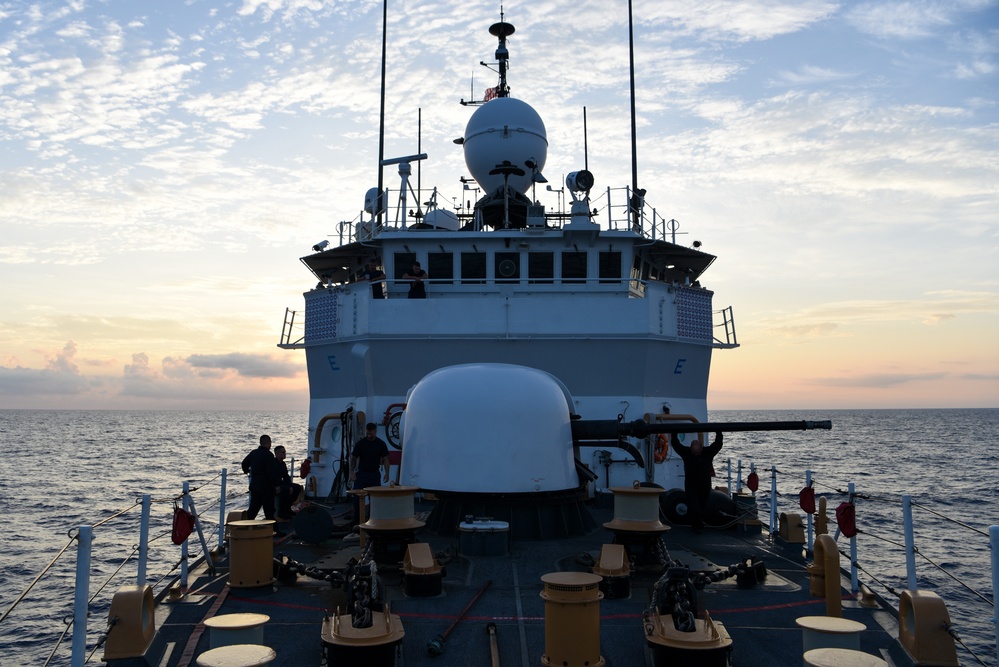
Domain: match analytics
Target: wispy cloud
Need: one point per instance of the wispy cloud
(878, 381)
(740, 20)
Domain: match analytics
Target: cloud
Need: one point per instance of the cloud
(878, 381)
(22, 382)
(139, 368)
(62, 362)
(836, 318)
(247, 365)
(909, 20)
(739, 20)
(223, 380)
(811, 75)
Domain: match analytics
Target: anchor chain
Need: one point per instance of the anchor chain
(675, 593)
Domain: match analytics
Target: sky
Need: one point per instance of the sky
(163, 167)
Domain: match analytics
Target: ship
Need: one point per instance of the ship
(533, 371)
(600, 297)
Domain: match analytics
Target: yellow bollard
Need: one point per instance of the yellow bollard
(821, 520)
(922, 629)
(134, 623)
(824, 575)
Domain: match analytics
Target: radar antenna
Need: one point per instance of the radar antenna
(501, 31)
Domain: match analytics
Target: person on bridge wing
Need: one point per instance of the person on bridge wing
(697, 472)
(417, 288)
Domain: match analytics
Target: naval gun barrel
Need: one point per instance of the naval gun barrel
(607, 429)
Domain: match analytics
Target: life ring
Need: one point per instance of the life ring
(661, 452)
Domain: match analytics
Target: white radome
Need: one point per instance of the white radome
(488, 428)
(504, 129)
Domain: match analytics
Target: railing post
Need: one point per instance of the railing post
(994, 542)
(81, 601)
(809, 517)
(225, 473)
(854, 584)
(183, 549)
(140, 579)
(910, 542)
(728, 465)
(773, 500)
(738, 478)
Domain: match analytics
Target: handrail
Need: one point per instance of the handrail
(611, 207)
(77, 621)
(850, 495)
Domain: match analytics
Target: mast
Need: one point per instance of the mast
(380, 205)
(502, 30)
(635, 203)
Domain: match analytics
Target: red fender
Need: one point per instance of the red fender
(846, 517)
(183, 525)
(806, 500)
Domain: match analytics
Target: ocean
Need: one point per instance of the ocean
(64, 469)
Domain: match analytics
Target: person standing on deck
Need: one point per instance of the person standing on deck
(260, 466)
(417, 290)
(374, 275)
(287, 490)
(697, 471)
(369, 453)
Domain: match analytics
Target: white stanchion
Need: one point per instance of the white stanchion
(183, 550)
(147, 503)
(773, 501)
(225, 474)
(910, 542)
(994, 542)
(809, 517)
(81, 601)
(854, 582)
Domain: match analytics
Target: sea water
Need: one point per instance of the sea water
(64, 469)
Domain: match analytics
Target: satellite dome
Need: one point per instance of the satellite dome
(488, 428)
(509, 130)
(440, 218)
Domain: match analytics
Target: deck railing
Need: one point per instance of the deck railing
(84, 602)
(879, 524)
(695, 318)
(611, 208)
(174, 559)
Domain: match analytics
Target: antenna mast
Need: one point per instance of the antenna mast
(502, 30)
(380, 206)
(635, 203)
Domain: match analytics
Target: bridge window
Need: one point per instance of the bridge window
(473, 268)
(403, 264)
(573, 267)
(541, 268)
(440, 266)
(610, 267)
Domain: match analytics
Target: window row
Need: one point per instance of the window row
(508, 267)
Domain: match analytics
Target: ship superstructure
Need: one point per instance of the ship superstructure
(603, 299)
